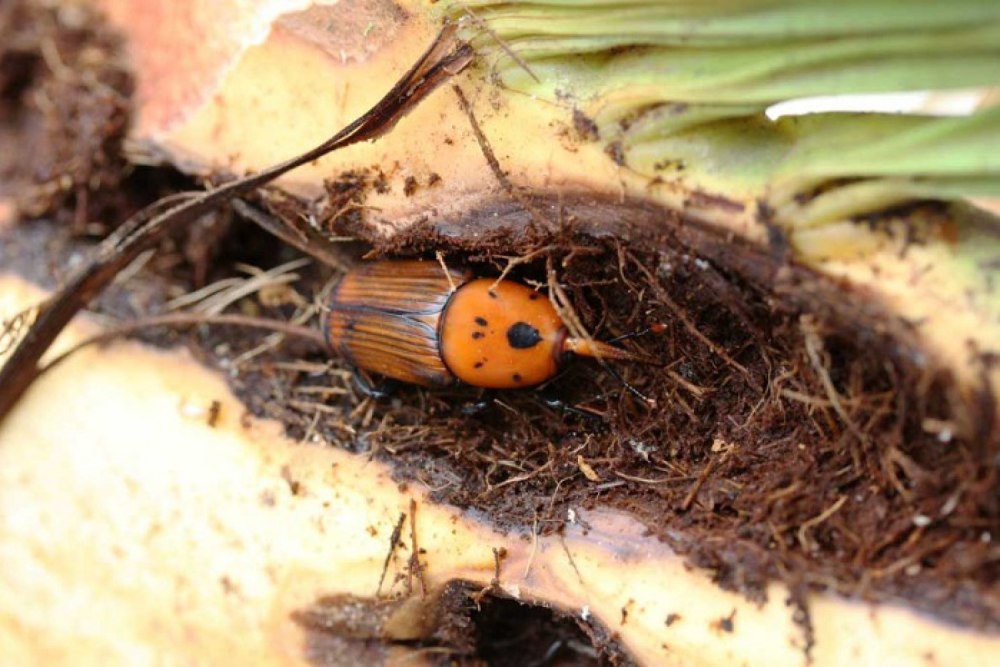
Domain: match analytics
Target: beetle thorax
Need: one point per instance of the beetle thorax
(500, 335)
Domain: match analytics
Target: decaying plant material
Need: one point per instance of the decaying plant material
(444, 58)
(799, 430)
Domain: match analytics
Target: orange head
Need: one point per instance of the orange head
(504, 335)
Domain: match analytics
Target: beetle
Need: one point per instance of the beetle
(425, 324)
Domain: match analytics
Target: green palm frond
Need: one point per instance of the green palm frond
(685, 83)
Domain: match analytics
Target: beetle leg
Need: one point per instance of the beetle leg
(369, 388)
(486, 399)
(555, 403)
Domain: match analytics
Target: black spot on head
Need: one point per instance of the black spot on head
(533, 297)
(522, 336)
(516, 377)
(493, 295)
(478, 364)
(481, 321)
(477, 334)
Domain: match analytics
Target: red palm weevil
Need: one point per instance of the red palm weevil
(410, 320)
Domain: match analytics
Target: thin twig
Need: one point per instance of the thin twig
(502, 43)
(187, 320)
(484, 144)
(814, 347)
(696, 487)
(520, 259)
(308, 241)
(415, 565)
(491, 159)
(679, 312)
(393, 541)
(447, 274)
(815, 521)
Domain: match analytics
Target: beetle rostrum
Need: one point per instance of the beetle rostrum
(402, 319)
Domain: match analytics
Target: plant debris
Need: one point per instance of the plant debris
(65, 91)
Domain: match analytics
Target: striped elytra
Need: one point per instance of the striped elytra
(411, 320)
(384, 318)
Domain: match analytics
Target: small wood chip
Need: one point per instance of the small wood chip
(586, 469)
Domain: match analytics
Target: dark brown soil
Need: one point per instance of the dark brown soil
(66, 100)
(798, 433)
(64, 107)
(792, 435)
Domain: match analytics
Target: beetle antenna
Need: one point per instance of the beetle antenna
(602, 351)
(651, 402)
(657, 328)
